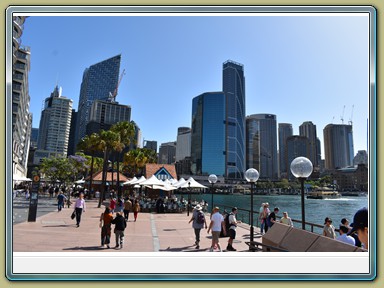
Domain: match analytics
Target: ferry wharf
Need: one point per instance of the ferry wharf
(152, 232)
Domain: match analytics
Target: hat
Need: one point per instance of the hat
(360, 220)
(234, 209)
(216, 208)
(197, 207)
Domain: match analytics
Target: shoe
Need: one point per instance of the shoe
(117, 246)
(77, 225)
(108, 246)
(197, 247)
(211, 249)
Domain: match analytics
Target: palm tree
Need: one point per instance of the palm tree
(90, 144)
(126, 132)
(109, 140)
(136, 159)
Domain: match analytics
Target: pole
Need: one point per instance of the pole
(302, 203)
(251, 220)
(189, 197)
(212, 197)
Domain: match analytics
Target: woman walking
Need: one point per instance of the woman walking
(79, 208)
(199, 222)
(136, 209)
(105, 223)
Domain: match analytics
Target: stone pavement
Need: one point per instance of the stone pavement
(152, 232)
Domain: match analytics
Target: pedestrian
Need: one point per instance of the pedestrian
(60, 201)
(105, 224)
(286, 219)
(272, 217)
(112, 205)
(329, 229)
(79, 208)
(266, 213)
(360, 225)
(232, 228)
(345, 223)
(217, 223)
(120, 225)
(127, 208)
(136, 209)
(261, 218)
(119, 205)
(344, 237)
(199, 222)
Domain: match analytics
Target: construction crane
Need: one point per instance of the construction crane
(112, 96)
(350, 119)
(342, 116)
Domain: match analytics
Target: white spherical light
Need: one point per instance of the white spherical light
(251, 175)
(301, 167)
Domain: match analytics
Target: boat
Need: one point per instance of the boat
(323, 193)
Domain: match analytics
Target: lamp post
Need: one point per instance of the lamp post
(189, 197)
(212, 179)
(251, 175)
(301, 168)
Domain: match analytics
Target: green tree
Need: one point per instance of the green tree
(135, 160)
(126, 134)
(90, 144)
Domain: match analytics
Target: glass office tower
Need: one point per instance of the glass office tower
(234, 89)
(99, 80)
(208, 134)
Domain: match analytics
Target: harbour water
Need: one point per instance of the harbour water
(315, 209)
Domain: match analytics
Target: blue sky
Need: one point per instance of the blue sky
(301, 68)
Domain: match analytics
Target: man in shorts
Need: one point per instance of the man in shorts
(232, 228)
(217, 223)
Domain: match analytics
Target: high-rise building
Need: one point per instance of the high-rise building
(103, 114)
(308, 129)
(208, 136)
(262, 145)
(338, 146)
(297, 146)
(21, 117)
(285, 131)
(34, 137)
(167, 153)
(361, 158)
(55, 124)
(183, 143)
(234, 89)
(150, 145)
(72, 134)
(99, 81)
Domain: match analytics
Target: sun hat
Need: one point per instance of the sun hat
(197, 207)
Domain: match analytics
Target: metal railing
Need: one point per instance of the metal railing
(244, 215)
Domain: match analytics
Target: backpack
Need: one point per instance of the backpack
(200, 218)
(226, 220)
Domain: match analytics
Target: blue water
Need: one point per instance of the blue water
(315, 209)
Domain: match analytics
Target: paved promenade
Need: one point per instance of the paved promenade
(152, 232)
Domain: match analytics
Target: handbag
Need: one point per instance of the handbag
(73, 215)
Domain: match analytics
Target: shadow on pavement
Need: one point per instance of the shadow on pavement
(89, 248)
(176, 249)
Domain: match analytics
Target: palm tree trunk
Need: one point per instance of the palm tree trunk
(90, 179)
(104, 176)
(118, 176)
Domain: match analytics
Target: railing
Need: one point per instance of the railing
(244, 215)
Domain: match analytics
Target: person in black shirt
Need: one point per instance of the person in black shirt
(272, 217)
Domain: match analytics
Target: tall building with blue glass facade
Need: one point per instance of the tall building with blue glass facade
(99, 80)
(285, 131)
(234, 89)
(208, 136)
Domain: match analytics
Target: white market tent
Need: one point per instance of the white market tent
(129, 182)
(138, 181)
(192, 183)
(179, 183)
(21, 178)
(152, 181)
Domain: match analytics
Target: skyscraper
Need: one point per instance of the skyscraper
(296, 146)
(183, 143)
(167, 153)
(285, 131)
(208, 137)
(150, 145)
(262, 145)
(21, 117)
(55, 124)
(338, 146)
(99, 80)
(234, 89)
(308, 129)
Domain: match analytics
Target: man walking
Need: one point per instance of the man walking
(217, 223)
(60, 201)
(232, 228)
(127, 208)
(120, 226)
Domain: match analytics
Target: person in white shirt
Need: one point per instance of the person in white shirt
(217, 223)
(344, 237)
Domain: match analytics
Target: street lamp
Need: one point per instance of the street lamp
(189, 197)
(301, 168)
(251, 175)
(212, 179)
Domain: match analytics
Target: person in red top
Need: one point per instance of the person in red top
(112, 205)
(105, 223)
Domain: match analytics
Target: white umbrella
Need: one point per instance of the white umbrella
(179, 183)
(152, 181)
(81, 181)
(192, 183)
(129, 182)
(138, 181)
